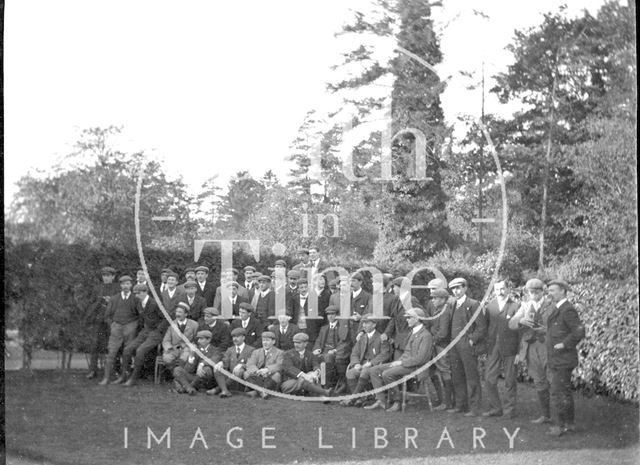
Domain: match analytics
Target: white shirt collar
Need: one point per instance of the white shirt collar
(357, 293)
(124, 295)
(144, 301)
(333, 325)
(264, 293)
(171, 292)
(461, 300)
(241, 347)
(561, 302)
(416, 328)
(370, 335)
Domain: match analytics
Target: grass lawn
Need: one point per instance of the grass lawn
(57, 417)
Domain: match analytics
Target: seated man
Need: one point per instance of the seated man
(301, 369)
(154, 327)
(220, 329)
(197, 373)
(417, 352)
(264, 365)
(235, 361)
(249, 323)
(333, 346)
(369, 351)
(175, 350)
(284, 332)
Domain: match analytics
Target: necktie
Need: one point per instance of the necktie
(126, 296)
(238, 351)
(182, 326)
(244, 324)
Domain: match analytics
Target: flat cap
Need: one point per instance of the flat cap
(415, 311)
(140, 288)
(211, 311)
(124, 278)
(534, 283)
(400, 281)
(232, 284)
(331, 309)
(438, 292)
(268, 334)
(293, 274)
(189, 269)
(246, 306)
(437, 284)
(368, 317)
(249, 268)
(300, 337)
(172, 274)
(303, 281)
(166, 270)
(201, 268)
(205, 333)
(386, 278)
(238, 332)
(183, 305)
(334, 282)
(107, 270)
(190, 283)
(264, 277)
(559, 282)
(280, 263)
(458, 282)
(357, 276)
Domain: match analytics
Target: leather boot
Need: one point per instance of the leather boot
(447, 397)
(435, 379)
(545, 399)
(315, 389)
(133, 378)
(352, 384)
(108, 368)
(120, 379)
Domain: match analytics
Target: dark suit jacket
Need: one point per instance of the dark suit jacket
(235, 307)
(379, 349)
(313, 325)
(292, 364)
(212, 352)
(284, 341)
(230, 358)
(196, 309)
(343, 351)
(170, 303)
(151, 316)
(207, 294)
(498, 328)
(220, 334)
(398, 329)
(265, 307)
(478, 330)
(418, 350)
(564, 326)
(241, 292)
(254, 331)
(440, 327)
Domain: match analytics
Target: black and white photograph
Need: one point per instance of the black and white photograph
(339, 232)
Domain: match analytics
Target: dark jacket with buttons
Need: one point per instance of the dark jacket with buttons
(564, 326)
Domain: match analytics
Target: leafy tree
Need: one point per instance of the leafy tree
(244, 195)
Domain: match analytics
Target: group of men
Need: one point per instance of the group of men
(327, 354)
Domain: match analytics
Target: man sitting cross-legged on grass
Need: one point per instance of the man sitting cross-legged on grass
(264, 365)
(301, 369)
(234, 360)
(197, 373)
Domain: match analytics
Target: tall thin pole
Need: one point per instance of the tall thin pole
(481, 164)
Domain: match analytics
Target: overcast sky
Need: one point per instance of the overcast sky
(207, 87)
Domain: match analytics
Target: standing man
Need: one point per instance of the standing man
(464, 354)
(360, 303)
(266, 303)
(301, 369)
(417, 352)
(249, 284)
(153, 329)
(531, 318)
(122, 319)
(265, 366)
(440, 328)
(252, 327)
(95, 317)
(163, 279)
(140, 277)
(502, 347)
(196, 303)
(564, 331)
(171, 295)
(234, 299)
(204, 288)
